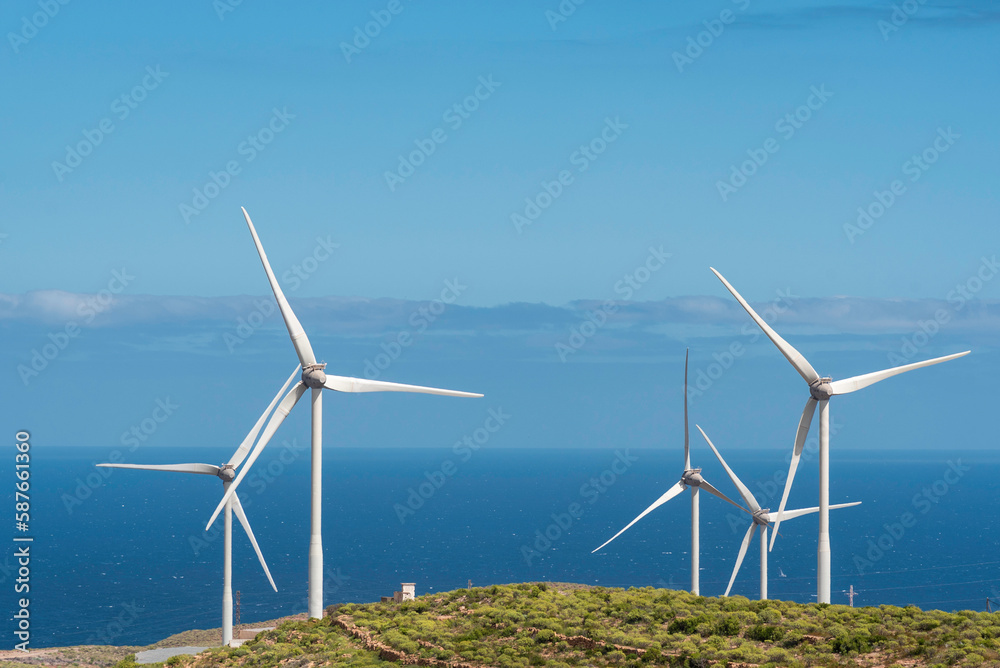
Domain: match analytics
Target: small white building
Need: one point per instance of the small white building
(408, 593)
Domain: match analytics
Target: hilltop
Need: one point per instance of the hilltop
(103, 656)
(545, 624)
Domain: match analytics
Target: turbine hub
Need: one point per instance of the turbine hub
(821, 389)
(762, 517)
(227, 473)
(692, 477)
(313, 376)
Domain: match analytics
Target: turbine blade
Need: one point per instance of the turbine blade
(205, 469)
(298, 335)
(669, 494)
(792, 514)
(796, 358)
(345, 384)
(848, 385)
(744, 492)
(238, 509)
(241, 452)
(743, 552)
(687, 446)
(711, 490)
(800, 441)
(279, 416)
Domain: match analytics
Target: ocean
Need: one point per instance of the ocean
(121, 557)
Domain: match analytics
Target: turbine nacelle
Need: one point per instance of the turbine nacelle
(762, 517)
(313, 376)
(692, 478)
(227, 472)
(821, 389)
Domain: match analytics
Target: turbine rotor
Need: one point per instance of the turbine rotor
(821, 389)
(692, 478)
(313, 376)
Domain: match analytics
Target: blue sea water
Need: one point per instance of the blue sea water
(121, 557)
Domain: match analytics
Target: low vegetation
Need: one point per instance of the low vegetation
(572, 625)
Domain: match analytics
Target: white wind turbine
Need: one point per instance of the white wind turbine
(314, 378)
(821, 389)
(762, 518)
(226, 473)
(690, 478)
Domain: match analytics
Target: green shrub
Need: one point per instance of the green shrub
(686, 625)
(765, 633)
(127, 662)
(851, 642)
(791, 639)
(728, 625)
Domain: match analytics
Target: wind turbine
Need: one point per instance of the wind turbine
(314, 378)
(690, 478)
(761, 518)
(226, 473)
(821, 388)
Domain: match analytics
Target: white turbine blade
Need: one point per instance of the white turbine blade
(345, 384)
(238, 509)
(800, 441)
(792, 514)
(669, 494)
(743, 552)
(241, 452)
(299, 339)
(272, 426)
(687, 445)
(798, 361)
(205, 469)
(848, 385)
(711, 490)
(744, 492)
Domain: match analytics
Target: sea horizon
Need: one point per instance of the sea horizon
(121, 557)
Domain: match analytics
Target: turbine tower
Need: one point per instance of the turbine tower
(761, 518)
(690, 478)
(226, 473)
(821, 389)
(314, 378)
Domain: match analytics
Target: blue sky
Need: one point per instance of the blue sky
(309, 129)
